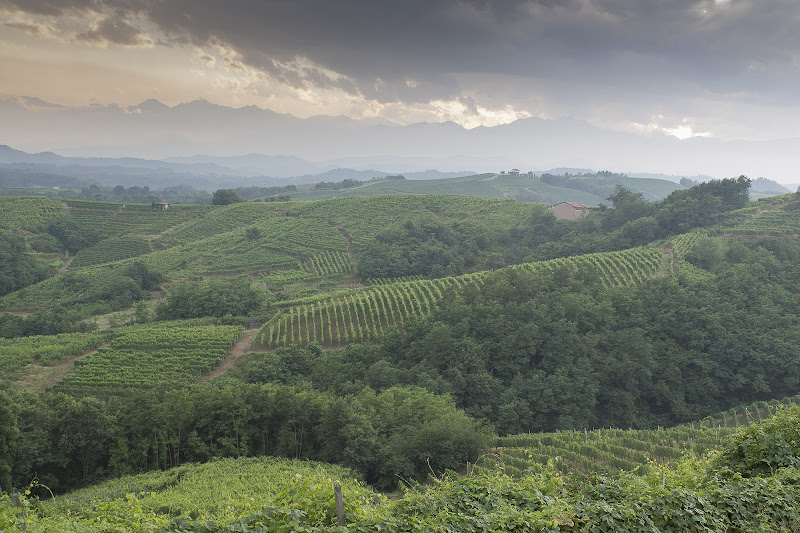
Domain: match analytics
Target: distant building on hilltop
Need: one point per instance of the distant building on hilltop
(514, 172)
(570, 210)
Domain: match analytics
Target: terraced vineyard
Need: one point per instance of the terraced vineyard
(365, 315)
(601, 450)
(145, 356)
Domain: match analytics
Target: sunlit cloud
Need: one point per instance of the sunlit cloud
(472, 116)
(683, 129)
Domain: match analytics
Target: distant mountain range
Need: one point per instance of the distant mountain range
(294, 146)
(46, 169)
(204, 172)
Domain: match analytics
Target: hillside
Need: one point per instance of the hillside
(518, 187)
(332, 322)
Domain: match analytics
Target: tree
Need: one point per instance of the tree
(252, 233)
(225, 197)
(16, 269)
(72, 236)
(8, 435)
(193, 299)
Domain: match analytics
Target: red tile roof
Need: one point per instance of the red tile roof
(575, 205)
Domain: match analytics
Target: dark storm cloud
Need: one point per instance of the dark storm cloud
(728, 45)
(744, 44)
(114, 30)
(33, 29)
(49, 7)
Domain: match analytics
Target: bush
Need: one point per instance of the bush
(763, 449)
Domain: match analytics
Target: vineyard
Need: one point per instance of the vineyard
(779, 222)
(332, 263)
(145, 356)
(365, 216)
(280, 244)
(222, 220)
(28, 213)
(110, 250)
(608, 451)
(605, 451)
(364, 315)
(356, 316)
(111, 219)
(214, 491)
(45, 349)
(745, 415)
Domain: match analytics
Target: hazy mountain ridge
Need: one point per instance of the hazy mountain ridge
(153, 130)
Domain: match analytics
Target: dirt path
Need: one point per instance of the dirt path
(234, 358)
(39, 378)
(65, 266)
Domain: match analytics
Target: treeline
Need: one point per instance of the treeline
(399, 433)
(600, 184)
(433, 248)
(350, 183)
(555, 350)
(264, 193)
(17, 269)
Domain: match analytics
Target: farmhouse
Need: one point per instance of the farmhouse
(570, 210)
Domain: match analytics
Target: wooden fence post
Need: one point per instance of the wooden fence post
(337, 494)
(15, 501)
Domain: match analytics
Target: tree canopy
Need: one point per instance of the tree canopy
(225, 197)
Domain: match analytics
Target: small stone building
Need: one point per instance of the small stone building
(570, 210)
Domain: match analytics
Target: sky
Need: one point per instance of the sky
(727, 69)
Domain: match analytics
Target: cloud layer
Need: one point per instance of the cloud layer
(645, 63)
